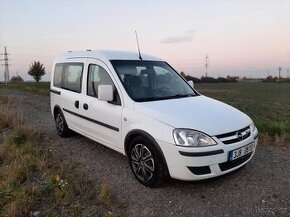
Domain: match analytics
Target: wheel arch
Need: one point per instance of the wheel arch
(135, 133)
(55, 109)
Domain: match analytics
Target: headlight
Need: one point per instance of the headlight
(192, 138)
(255, 131)
(253, 126)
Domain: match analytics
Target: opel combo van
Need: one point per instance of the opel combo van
(141, 107)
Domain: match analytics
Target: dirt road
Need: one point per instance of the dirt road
(261, 188)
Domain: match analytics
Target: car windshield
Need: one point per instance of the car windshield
(151, 80)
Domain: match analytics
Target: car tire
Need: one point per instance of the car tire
(146, 162)
(61, 125)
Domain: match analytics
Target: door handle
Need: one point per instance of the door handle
(77, 104)
(85, 106)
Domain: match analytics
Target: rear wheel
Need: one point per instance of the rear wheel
(61, 125)
(146, 162)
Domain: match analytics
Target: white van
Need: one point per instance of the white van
(142, 108)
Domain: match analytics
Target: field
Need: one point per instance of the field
(39, 88)
(268, 104)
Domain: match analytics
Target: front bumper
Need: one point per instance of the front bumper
(190, 164)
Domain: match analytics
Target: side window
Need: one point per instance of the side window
(68, 76)
(96, 76)
(57, 75)
(73, 77)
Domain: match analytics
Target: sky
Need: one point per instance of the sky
(241, 37)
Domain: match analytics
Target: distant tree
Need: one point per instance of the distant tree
(232, 78)
(273, 79)
(16, 79)
(182, 74)
(204, 79)
(221, 79)
(190, 78)
(36, 70)
(269, 78)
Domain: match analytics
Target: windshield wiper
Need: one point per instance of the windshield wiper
(165, 97)
(183, 95)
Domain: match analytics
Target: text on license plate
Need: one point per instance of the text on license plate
(235, 154)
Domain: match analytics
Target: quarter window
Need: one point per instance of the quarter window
(57, 75)
(68, 76)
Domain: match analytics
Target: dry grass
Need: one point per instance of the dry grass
(8, 119)
(41, 88)
(282, 141)
(36, 179)
(105, 194)
(21, 161)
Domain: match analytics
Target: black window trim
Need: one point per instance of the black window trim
(113, 102)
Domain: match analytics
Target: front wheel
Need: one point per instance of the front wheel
(146, 162)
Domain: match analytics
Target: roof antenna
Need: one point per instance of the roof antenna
(138, 45)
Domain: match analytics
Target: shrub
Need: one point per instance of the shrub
(16, 79)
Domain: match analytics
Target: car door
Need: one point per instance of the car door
(103, 119)
(68, 80)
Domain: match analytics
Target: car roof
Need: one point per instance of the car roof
(105, 55)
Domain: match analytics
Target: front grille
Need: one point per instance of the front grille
(231, 164)
(200, 170)
(235, 136)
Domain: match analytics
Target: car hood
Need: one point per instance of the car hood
(199, 113)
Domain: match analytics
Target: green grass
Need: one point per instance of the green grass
(41, 88)
(268, 104)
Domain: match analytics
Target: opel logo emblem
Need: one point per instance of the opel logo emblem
(240, 136)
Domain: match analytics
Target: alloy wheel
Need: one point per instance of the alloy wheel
(142, 162)
(59, 123)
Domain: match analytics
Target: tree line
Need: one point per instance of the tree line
(204, 79)
(37, 70)
(207, 79)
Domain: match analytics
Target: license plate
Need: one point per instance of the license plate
(240, 152)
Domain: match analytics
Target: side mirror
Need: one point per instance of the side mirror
(105, 93)
(191, 83)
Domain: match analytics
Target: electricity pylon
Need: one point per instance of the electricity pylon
(206, 64)
(6, 66)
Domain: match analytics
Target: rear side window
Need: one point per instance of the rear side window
(68, 76)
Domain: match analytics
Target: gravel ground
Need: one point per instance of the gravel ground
(261, 188)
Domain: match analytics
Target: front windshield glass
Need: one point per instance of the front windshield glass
(151, 80)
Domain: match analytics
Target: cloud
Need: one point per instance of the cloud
(178, 39)
(187, 37)
(191, 31)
